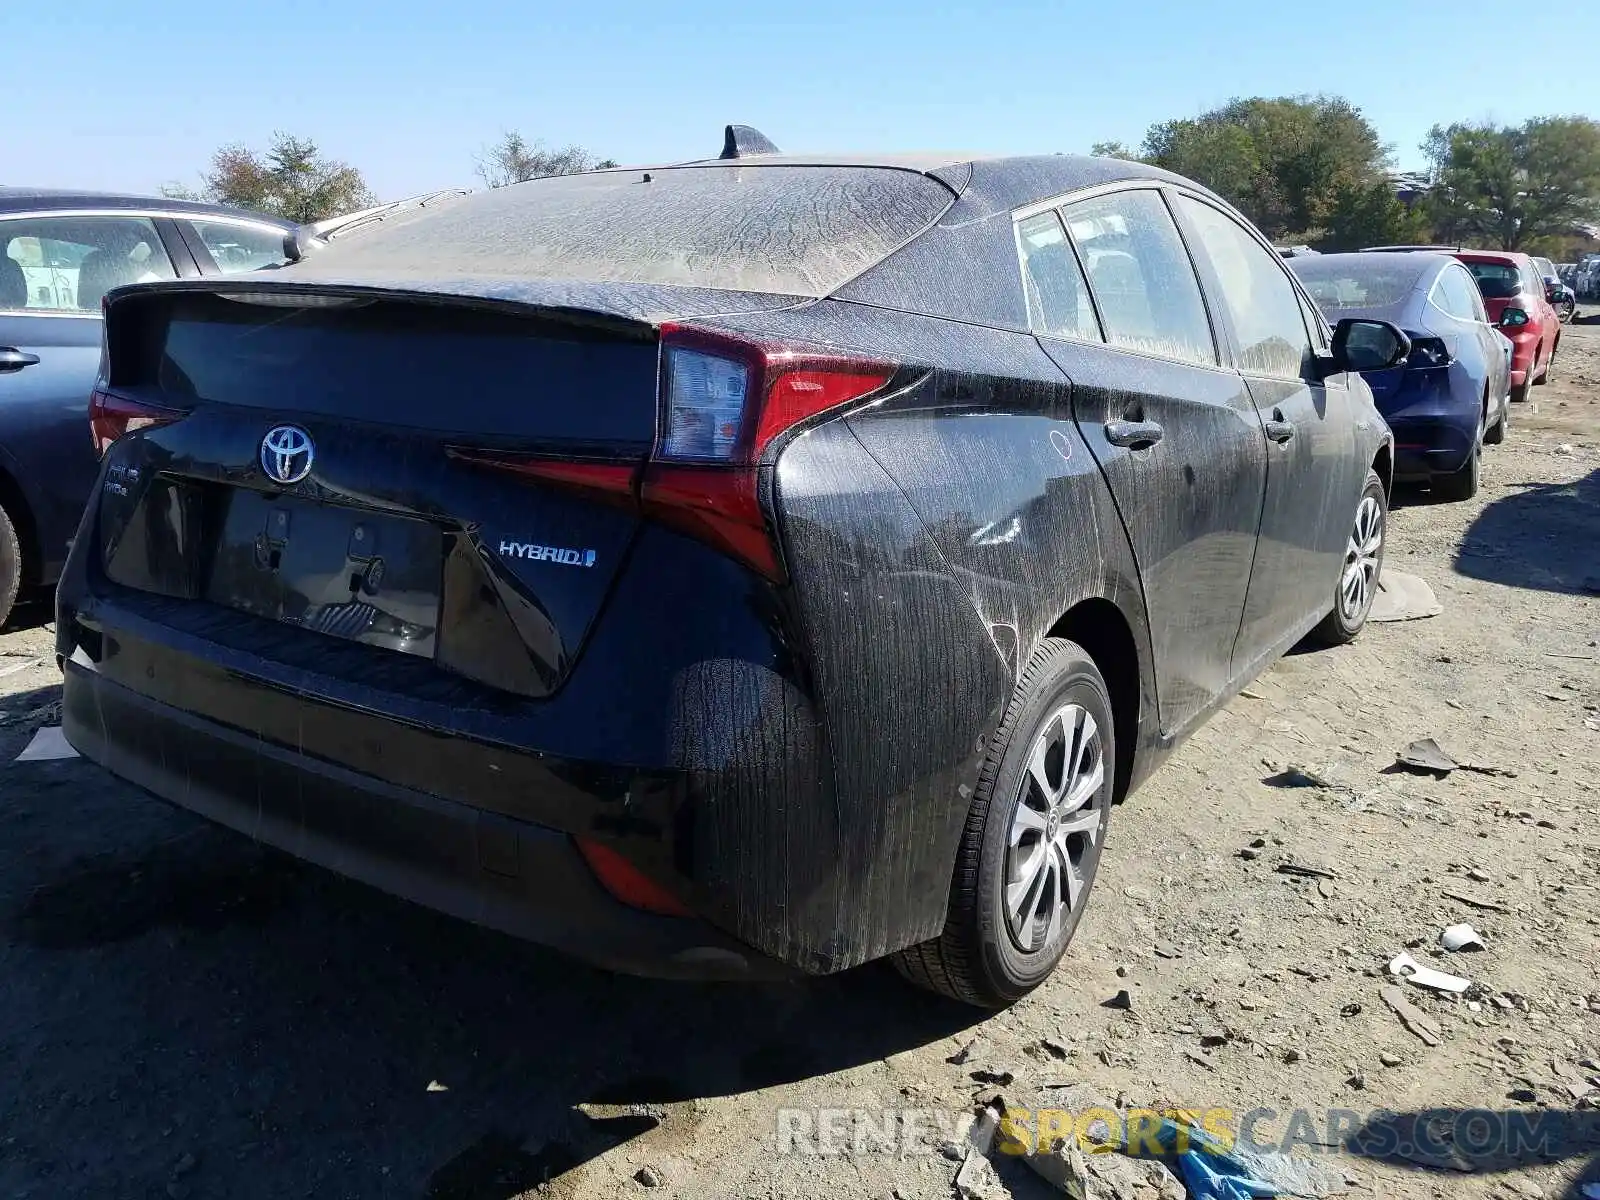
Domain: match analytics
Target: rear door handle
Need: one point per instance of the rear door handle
(1135, 435)
(1280, 431)
(12, 359)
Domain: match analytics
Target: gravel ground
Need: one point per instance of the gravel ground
(183, 1013)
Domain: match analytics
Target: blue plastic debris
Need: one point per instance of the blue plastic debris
(1209, 1171)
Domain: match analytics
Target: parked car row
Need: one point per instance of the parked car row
(1583, 278)
(1453, 393)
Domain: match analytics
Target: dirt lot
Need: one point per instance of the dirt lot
(182, 1013)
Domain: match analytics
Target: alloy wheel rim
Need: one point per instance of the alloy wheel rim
(1359, 579)
(1055, 827)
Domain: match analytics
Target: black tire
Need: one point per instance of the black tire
(978, 958)
(1496, 435)
(10, 566)
(1519, 393)
(1340, 626)
(1544, 376)
(1462, 483)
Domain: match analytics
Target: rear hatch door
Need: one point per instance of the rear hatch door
(449, 482)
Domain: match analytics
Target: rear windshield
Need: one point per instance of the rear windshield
(1497, 281)
(786, 229)
(417, 366)
(1375, 282)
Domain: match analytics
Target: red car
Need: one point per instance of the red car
(1514, 294)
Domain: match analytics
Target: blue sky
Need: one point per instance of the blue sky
(129, 96)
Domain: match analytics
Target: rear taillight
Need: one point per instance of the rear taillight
(111, 416)
(1428, 352)
(1514, 317)
(724, 402)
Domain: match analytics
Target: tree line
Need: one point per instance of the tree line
(1312, 170)
(293, 179)
(1306, 169)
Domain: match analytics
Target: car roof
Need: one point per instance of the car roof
(1492, 256)
(992, 181)
(23, 199)
(1422, 261)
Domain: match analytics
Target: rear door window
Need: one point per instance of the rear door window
(1141, 277)
(1456, 294)
(1058, 295)
(68, 264)
(237, 248)
(1262, 302)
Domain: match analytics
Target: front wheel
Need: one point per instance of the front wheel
(1033, 837)
(1359, 572)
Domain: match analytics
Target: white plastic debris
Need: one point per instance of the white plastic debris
(49, 743)
(1565, 450)
(1412, 971)
(1459, 937)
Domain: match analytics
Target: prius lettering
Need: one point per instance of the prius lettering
(534, 552)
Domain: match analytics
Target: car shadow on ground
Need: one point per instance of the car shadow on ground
(1453, 1141)
(1541, 537)
(30, 613)
(258, 1027)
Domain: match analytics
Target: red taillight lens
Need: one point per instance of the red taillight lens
(609, 482)
(111, 416)
(724, 401)
(627, 883)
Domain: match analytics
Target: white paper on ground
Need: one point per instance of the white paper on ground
(1412, 971)
(48, 743)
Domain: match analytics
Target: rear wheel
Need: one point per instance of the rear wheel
(1544, 376)
(10, 565)
(1462, 483)
(1497, 434)
(1032, 842)
(1362, 566)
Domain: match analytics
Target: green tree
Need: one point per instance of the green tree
(514, 159)
(1283, 162)
(1372, 215)
(291, 179)
(1512, 186)
(1113, 150)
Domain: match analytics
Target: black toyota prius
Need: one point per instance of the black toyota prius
(743, 567)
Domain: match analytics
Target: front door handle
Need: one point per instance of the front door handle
(12, 359)
(1280, 431)
(1135, 435)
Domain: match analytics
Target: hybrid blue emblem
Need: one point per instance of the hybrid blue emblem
(556, 554)
(286, 454)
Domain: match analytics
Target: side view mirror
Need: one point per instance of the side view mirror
(1363, 345)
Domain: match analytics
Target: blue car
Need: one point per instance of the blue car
(60, 252)
(1452, 393)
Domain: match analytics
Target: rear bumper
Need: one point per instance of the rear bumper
(1434, 416)
(515, 876)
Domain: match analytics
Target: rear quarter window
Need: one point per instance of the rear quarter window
(793, 230)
